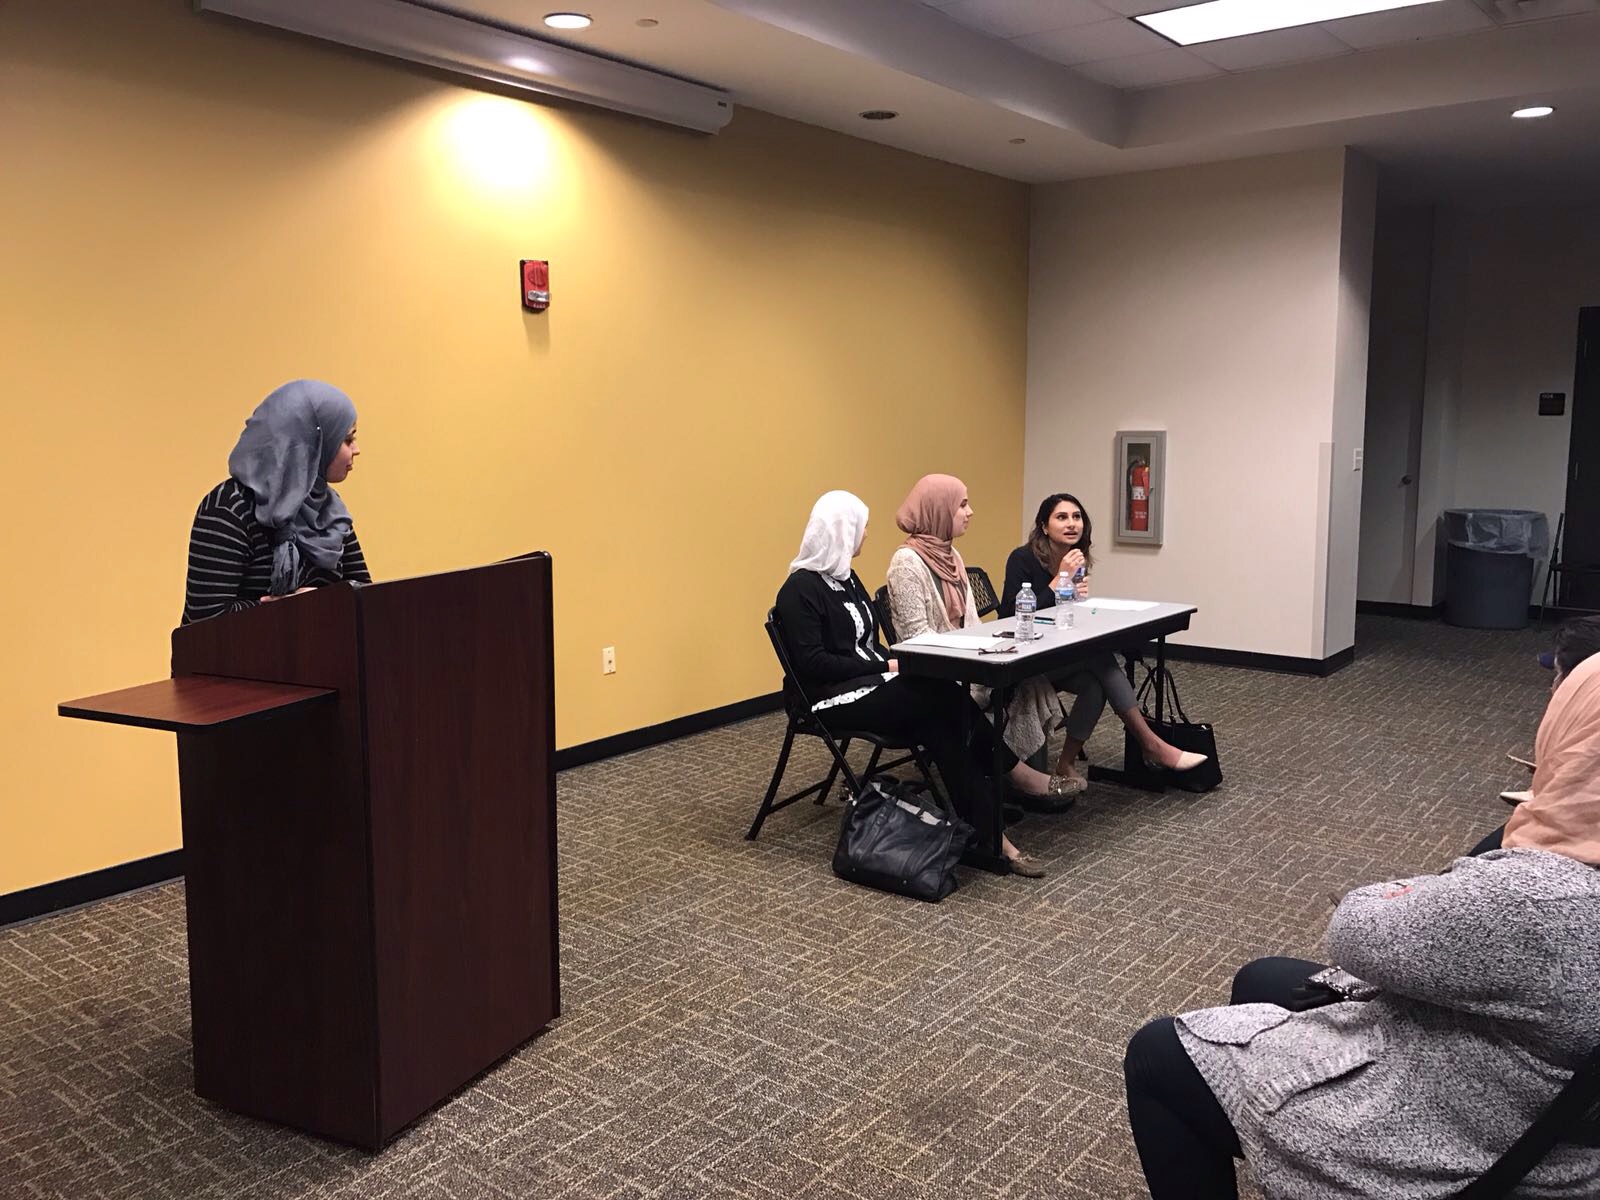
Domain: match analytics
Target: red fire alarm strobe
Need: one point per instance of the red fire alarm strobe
(535, 275)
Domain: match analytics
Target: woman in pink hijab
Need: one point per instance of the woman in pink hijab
(929, 592)
(1563, 812)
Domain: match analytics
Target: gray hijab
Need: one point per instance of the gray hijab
(282, 457)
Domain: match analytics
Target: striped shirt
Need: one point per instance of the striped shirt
(230, 557)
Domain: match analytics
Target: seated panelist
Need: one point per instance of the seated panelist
(929, 592)
(1061, 542)
(830, 634)
(275, 527)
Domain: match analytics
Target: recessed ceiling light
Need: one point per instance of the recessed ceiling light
(568, 20)
(1218, 19)
(879, 114)
(1537, 110)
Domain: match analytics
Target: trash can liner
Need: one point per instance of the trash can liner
(1499, 530)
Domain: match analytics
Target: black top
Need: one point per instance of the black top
(830, 630)
(230, 556)
(1022, 567)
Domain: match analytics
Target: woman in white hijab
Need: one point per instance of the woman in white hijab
(830, 630)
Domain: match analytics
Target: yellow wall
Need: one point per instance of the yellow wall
(196, 211)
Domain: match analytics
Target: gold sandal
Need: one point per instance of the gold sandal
(1027, 866)
(1067, 785)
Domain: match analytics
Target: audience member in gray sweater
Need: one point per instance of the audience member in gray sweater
(1472, 996)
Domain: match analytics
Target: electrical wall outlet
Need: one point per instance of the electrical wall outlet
(608, 660)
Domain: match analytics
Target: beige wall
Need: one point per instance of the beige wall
(1503, 294)
(198, 210)
(1351, 337)
(1209, 302)
(1527, 273)
(1401, 274)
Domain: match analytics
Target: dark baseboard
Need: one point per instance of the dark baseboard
(113, 881)
(1383, 608)
(1424, 612)
(86, 889)
(1285, 663)
(1553, 613)
(667, 731)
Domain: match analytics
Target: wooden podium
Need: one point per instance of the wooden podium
(369, 832)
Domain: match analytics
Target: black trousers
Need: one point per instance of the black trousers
(1491, 841)
(940, 715)
(1186, 1143)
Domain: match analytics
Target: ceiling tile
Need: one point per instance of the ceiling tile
(1116, 38)
(1517, 12)
(1274, 49)
(1137, 8)
(1015, 18)
(1409, 24)
(1172, 65)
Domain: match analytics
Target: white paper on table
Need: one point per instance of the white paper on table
(954, 641)
(1119, 605)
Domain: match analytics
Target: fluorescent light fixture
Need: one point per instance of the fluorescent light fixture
(568, 20)
(1533, 113)
(463, 46)
(1218, 19)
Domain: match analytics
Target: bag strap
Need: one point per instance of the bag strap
(1145, 689)
(1574, 1103)
(1172, 696)
(910, 791)
(1169, 686)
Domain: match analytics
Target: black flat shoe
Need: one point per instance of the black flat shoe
(1048, 805)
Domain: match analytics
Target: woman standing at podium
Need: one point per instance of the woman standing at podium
(275, 527)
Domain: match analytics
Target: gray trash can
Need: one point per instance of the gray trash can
(1489, 565)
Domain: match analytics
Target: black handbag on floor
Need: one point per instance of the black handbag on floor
(894, 838)
(1175, 728)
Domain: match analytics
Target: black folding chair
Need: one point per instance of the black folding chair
(803, 721)
(1572, 1117)
(982, 591)
(880, 601)
(1558, 572)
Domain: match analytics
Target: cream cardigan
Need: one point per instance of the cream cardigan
(916, 605)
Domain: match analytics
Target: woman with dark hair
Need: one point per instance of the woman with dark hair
(275, 527)
(1061, 540)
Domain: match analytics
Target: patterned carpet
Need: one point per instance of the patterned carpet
(742, 1024)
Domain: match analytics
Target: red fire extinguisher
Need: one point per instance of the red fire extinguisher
(1139, 496)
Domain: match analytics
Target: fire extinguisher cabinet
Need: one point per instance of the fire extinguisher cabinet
(1489, 565)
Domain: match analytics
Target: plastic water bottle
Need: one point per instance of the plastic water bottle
(1065, 595)
(1027, 605)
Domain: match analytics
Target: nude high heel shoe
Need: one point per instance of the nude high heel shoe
(1188, 760)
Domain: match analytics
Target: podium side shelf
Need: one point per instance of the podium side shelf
(194, 703)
